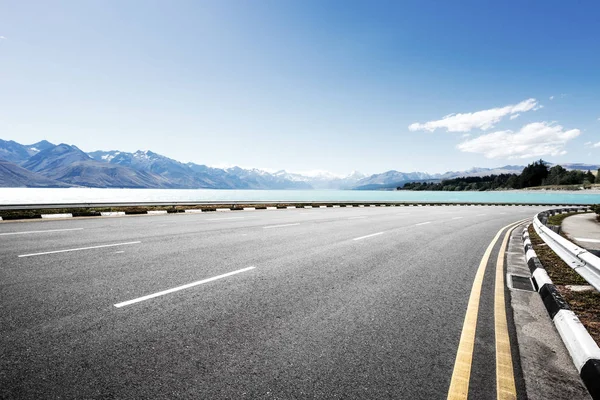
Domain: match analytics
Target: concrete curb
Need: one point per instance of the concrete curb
(112, 213)
(156, 212)
(51, 216)
(211, 207)
(582, 348)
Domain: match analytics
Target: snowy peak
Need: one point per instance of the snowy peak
(149, 155)
(106, 156)
(35, 148)
(320, 179)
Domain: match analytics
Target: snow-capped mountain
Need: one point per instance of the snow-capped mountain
(319, 179)
(68, 165)
(391, 179)
(193, 176)
(19, 153)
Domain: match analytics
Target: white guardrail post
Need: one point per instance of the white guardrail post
(582, 261)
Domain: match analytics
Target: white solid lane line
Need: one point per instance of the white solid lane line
(223, 219)
(480, 215)
(587, 240)
(368, 236)
(49, 230)
(280, 226)
(357, 217)
(178, 288)
(457, 218)
(423, 223)
(78, 249)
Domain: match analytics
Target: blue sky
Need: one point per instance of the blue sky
(307, 85)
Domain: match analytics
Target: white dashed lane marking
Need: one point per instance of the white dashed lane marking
(46, 231)
(182, 287)
(280, 226)
(78, 249)
(368, 236)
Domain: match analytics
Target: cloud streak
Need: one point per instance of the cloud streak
(532, 140)
(484, 119)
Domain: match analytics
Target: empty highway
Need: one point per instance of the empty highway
(301, 303)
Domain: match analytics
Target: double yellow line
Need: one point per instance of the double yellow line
(461, 375)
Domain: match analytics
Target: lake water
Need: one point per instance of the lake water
(94, 195)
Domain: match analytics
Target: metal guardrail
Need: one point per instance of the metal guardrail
(582, 261)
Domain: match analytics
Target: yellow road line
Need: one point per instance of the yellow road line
(505, 379)
(459, 384)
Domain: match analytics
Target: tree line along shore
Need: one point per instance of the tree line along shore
(537, 175)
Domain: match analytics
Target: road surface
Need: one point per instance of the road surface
(306, 303)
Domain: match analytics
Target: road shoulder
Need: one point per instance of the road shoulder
(548, 371)
(584, 230)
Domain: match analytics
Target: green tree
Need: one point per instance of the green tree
(554, 175)
(533, 174)
(513, 182)
(590, 177)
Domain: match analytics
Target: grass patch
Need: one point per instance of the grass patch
(587, 307)
(559, 218)
(558, 270)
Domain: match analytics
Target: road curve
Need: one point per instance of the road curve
(305, 303)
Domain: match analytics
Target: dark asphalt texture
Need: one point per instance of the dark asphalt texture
(320, 316)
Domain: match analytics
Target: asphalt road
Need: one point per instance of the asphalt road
(339, 303)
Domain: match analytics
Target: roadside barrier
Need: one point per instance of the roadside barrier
(582, 261)
(582, 348)
(34, 211)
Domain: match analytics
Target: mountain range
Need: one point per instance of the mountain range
(44, 164)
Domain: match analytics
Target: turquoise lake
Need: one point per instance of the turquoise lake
(94, 195)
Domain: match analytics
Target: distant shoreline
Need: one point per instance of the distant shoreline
(595, 190)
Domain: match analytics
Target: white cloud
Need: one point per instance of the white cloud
(551, 97)
(485, 119)
(466, 135)
(514, 116)
(532, 140)
(592, 144)
(2, 37)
